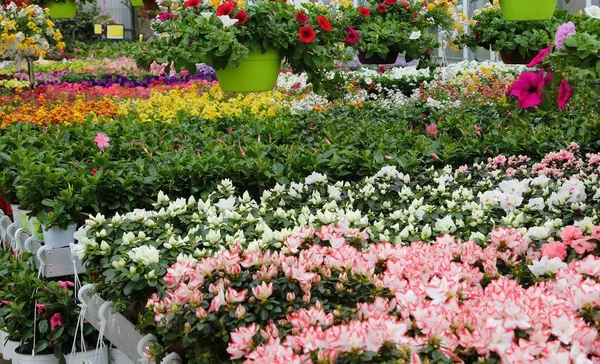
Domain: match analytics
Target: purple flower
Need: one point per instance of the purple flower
(540, 57)
(563, 32)
(165, 16)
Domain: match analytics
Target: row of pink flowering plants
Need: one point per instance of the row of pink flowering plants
(489, 262)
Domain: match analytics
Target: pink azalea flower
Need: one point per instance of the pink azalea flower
(432, 129)
(583, 245)
(263, 291)
(570, 233)
(564, 94)
(528, 89)
(56, 320)
(102, 141)
(554, 249)
(540, 57)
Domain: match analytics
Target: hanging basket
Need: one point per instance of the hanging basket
(258, 72)
(514, 57)
(519, 10)
(62, 10)
(390, 58)
(137, 3)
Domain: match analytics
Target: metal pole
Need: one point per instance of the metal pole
(31, 73)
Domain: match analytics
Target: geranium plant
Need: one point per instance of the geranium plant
(195, 32)
(488, 29)
(27, 32)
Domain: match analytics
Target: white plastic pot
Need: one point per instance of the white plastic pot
(99, 356)
(57, 238)
(35, 359)
(16, 213)
(9, 349)
(35, 228)
(117, 357)
(3, 336)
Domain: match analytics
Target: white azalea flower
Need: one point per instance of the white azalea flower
(145, 255)
(545, 265)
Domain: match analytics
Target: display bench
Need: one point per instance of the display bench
(59, 262)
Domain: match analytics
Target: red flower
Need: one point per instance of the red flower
(324, 23)
(389, 2)
(564, 94)
(381, 8)
(301, 18)
(191, 3)
(405, 4)
(364, 11)
(242, 17)
(224, 9)
(351, 36)
(307, 34)
(94, 171)
(528, 89)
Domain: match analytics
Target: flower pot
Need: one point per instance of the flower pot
(57, 238)
(514, 57)
(8, 352)
(391, 58)
(62, 10)
(3, 336)
(96, 356)
(527, 10)
(137, 3)
(117, 357)
(35, 359)
(256, 73)
(25, 220)
(150, 5)
(16, 213)
(35, 228)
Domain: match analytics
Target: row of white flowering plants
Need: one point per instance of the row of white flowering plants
(491, 262)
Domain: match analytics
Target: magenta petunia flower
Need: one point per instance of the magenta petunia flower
(351, 36)
(540, 57)
(528, 89)
(564, 94)
(563, 32)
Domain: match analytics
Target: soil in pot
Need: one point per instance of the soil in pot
(514, 57)
(390, 58)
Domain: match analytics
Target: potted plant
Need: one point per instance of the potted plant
(25, 41)
(245, 45)
(379, 31)
(518, 10)
(60, 9)
(55, 194)
(517, 42)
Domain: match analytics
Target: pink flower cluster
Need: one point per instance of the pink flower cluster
(452, 295)
(561, 164)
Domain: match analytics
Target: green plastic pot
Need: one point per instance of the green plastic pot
(256, 73)
(62, 10)
(137, 3)
(523, 10)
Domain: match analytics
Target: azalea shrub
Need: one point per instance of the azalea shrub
(326, 296)
(538, 199)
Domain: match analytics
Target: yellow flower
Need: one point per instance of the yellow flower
(430, 6)
(242, 4)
